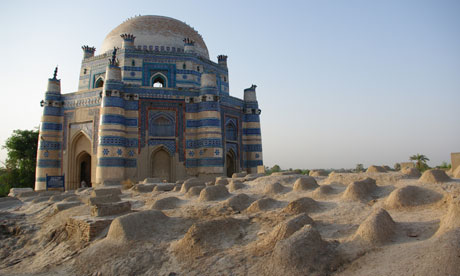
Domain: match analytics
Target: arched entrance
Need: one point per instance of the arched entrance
(230, 163)
(84, 169)
(80, 165)
(161, 165)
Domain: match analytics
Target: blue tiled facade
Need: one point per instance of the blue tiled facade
(192, 117)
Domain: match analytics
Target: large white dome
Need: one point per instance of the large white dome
(153, 30)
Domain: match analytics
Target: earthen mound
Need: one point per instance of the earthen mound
(59, 197)
(71, 199)
(305, 183)
(137, 226)
(377, 229)
(105, 192)
(451, 220)
(360, 190)
(281, 231)
(194, 191)
(303, 253)
(411, 172)
(213, 193)
(204, 238)
(40, 199)
(434, 176)
(191, 182)
(151, 180)
(235, 185)
(221, 180)
(252, 176)
(301, 205)
(16, 191)
(274, 188)
(442, 256)
(410, 196)
(238, 202)
(376, 169)
(166, 203)
(323, 191)
(164, 187)
(262, 204)
(240, 174)
(317, 173)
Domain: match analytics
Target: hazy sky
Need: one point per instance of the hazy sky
(339, 82)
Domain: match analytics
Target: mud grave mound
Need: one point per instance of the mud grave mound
(302, 205)
(238, 202)
(434, 176)
(411, 172)
(221, 181)
(274, 188)
(270, 179)
(360, 190)
(194, 191)
(317, 173)
(451, 220)
(305, 183)
(376, 169)
(324, 191)
(303, 253)
(235, 185)
(410, 196)
(137, 226)
(280, 232)
(263, 204)
(166, 203)
(207, 237)
(377, 229)
(191, 182)
(211, 193)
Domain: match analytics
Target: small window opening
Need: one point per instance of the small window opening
(84, 71)
(184, 66)
(133, 63)
(198, 68)
(99, 83)
(158, 82)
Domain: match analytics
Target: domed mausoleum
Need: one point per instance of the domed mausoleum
(151, 104)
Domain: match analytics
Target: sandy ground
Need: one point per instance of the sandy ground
(342, 228)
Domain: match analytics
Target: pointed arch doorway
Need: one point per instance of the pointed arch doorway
(84, 169)
(161, 164)
(230, 163)
(80, 166)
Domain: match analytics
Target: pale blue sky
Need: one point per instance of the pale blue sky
(339, 82)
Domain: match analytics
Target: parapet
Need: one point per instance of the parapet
(88, 51)
(128, 41)
(222, 60)
(250, 94)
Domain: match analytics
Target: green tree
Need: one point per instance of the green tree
(275, 168)
(359, 168)
(420, 161)
(444, 165)
(397, 166)
(19, 170)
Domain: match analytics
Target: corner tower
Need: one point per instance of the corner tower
(49, 153)
(252, 136)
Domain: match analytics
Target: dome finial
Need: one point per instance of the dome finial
(55, 73)
(113, 61)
